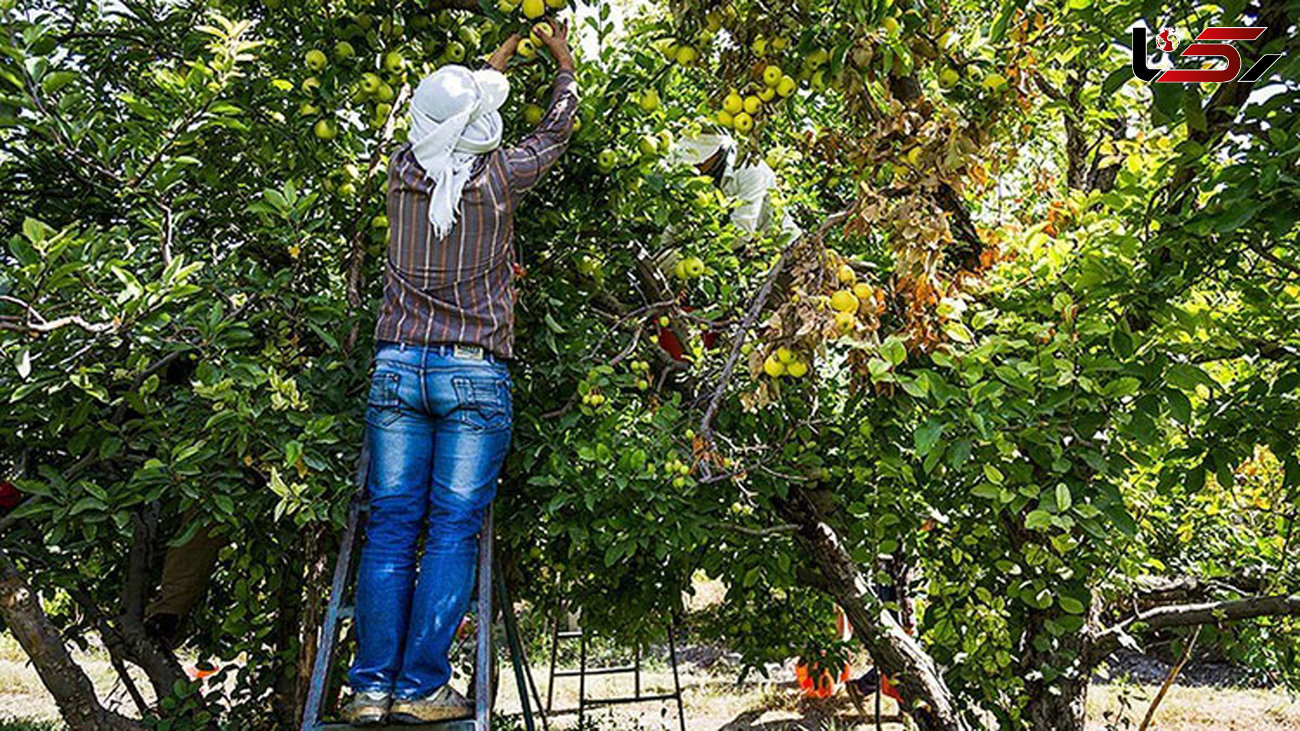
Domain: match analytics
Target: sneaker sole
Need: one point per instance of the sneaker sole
(377, 720)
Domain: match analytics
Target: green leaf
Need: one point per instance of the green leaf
(1038, 520)
(1063, 498)
(56, 80)
(927, 435)
(1070, 604)
(894, 350)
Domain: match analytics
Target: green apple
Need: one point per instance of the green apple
(394, 61)
(607, 159)
(344, 50)
(370, 83)
(315, 59)
(325, 129)
(649, 100)
(455, 52)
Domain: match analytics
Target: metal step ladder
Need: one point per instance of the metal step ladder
(324, 689)
(582, 672)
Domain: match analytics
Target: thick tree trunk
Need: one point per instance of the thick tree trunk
(63, 678)
(1058, 687)
(929, 700)
(1063, 711)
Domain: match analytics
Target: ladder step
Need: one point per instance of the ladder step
(466, 724)
(569, 634)
(596, 671)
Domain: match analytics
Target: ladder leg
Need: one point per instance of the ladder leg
(317, 695)
(512, 642)
(483, 655)
(677, 683)
(582, 682)
(555, 649)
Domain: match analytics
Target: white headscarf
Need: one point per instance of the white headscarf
(454, 119)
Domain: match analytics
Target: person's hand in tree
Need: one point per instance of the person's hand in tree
(557, 41)
(501, 56)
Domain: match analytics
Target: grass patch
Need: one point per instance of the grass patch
(18, 724)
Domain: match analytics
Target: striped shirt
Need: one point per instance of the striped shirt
(460, 289)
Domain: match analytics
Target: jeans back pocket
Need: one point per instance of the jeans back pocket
(384, 404)
(483, 403)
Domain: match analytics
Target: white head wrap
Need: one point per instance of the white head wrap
(694, 150)
(454, 119)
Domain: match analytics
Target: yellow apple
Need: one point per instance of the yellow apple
(844, 301)
(534, 9)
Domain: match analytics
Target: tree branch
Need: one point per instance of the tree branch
(1189, 615)
(896, 653)
(63, 678)
(751, 318)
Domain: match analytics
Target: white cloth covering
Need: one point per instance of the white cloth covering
(747, 184)
(454, 119)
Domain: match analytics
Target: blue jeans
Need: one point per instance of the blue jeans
(438, 426)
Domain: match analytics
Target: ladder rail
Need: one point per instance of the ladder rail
(316, 693)
(318, 699)
(483, 654)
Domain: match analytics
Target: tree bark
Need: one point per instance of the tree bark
(1058, 675)
(63, 678)
(1189, 615)
(896, 653)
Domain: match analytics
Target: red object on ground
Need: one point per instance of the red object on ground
(888, 689)
(821, 687)
(9, 496)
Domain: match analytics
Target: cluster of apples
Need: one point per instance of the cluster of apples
(679, 468)
(334, 69)
(642, 370)
(785, 362)
(531, 9)
(854, 297)
(738, 112)
(648, 147)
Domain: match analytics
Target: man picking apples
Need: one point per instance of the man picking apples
(439, 412)
(749, 184)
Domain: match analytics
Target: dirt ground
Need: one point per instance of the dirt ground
(714, 702)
